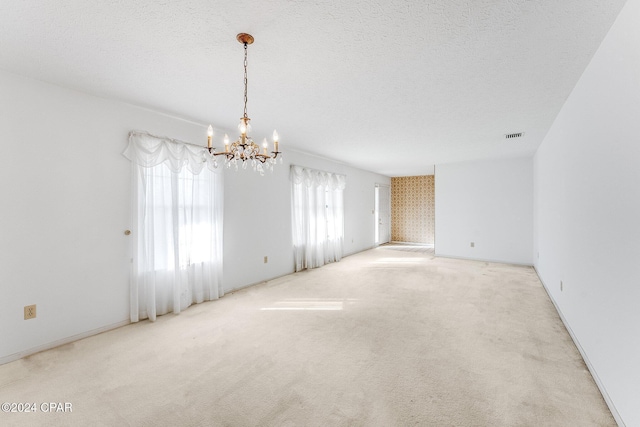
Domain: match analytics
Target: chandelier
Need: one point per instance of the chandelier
(244, 150)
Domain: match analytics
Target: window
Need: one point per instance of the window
(318, 217)
(177, 226)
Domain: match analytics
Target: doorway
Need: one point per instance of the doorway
(382, 214)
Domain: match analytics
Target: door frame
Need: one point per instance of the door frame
(376, 215)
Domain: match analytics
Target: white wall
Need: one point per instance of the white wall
(489, 203)
(258, 224)
(66, 202)
(587, 214)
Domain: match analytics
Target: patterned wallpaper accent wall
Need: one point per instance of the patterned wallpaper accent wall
(413, 209)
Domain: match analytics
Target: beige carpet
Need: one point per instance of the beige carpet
(388, 337)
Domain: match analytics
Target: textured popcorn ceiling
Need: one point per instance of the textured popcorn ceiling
(392, 86)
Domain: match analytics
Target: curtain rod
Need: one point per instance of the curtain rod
(177, 141)
(318, 170)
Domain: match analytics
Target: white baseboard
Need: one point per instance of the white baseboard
(57, 343)
(239, 288)
(426, 245)
(594, 374)
(496, 261)
(346, 254)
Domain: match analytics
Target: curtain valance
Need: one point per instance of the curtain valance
(148, 151)
(316, 178)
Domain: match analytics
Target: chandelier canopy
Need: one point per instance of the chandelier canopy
(244, 150)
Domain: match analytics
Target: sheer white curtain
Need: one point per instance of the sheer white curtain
(177, 226)
(318, 217)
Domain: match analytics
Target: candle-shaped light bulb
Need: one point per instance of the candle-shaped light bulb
(209, 135)
(242, 127)
(226, 143)
(275, 141)
(264, 146)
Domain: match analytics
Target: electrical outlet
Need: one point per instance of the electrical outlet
(29, 312)
(473, 245)
(266, 259)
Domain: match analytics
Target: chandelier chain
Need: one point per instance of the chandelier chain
(245, 80)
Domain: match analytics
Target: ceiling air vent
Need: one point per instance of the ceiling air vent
(514, 135)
